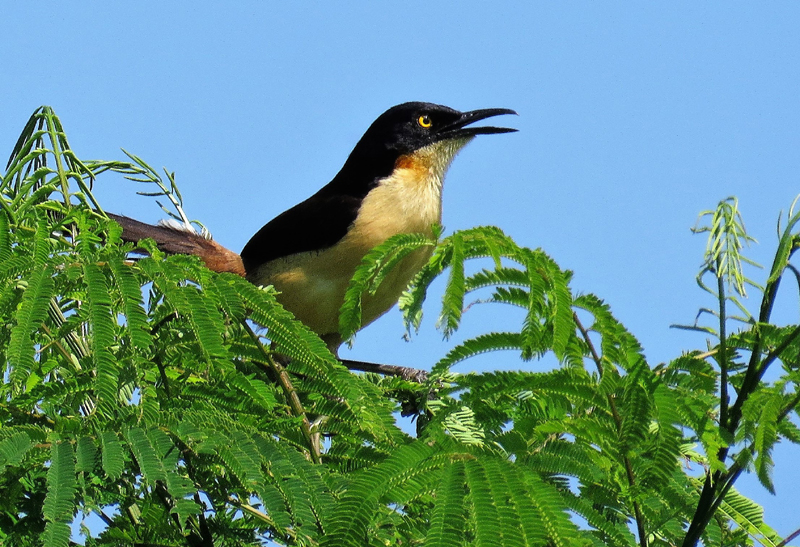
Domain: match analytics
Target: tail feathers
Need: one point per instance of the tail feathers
(175, 241)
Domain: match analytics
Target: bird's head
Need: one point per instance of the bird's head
(408, 127)
(415, 131)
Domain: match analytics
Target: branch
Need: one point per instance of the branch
(291, 394)
(774, 354)
(406, 373)
(105, 518)
(205, 533)
(707, 354)
(755, 371)
(796, 273)
(618, 421)
(712, 495)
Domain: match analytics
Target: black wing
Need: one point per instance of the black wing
(323, 219)
(315, 224)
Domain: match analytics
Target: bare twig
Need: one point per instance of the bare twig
(789, 538)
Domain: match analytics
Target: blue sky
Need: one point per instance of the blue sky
(634, 117)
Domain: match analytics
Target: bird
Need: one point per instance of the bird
(391, 183)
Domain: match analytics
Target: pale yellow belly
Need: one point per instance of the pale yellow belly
(313, 285)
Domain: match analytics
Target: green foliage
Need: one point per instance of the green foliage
(727, 237)
(59, 504)
(185, 407)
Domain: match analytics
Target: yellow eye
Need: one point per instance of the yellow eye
(424, 121)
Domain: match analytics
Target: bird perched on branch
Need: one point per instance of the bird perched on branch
(390, 184)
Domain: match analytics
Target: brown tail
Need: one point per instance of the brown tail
(172, 241)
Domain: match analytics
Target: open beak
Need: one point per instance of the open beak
(458, 128)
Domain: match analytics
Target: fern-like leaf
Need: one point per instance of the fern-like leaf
(609, 531)
(356, 510)
(5, 235)
(30, 316)
(449, 520)
(750, 516)
(59, 504)
(86, 455)
(301, 484)
(103, 325)
(635, 413)
(133, 305)
(550, 507)
(205, 318)
(376, 265)
(453, 298)
(14, 448)
(765, 438)
(484, 343)
(113, 458)
(463, 426)
(290, 336)
(147, 457)
(497, 478)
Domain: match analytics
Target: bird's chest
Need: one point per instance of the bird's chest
(408, 202)
(313, 283)
(405, 203)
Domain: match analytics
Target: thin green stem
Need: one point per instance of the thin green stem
(722, 355)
